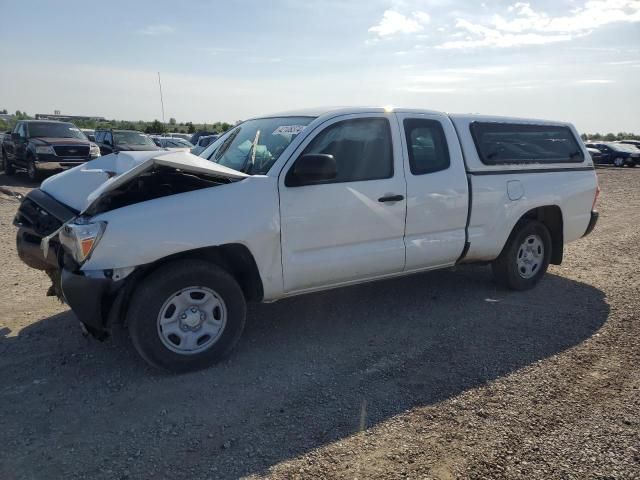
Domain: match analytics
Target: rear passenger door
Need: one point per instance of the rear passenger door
(350, 228)
(437, 191)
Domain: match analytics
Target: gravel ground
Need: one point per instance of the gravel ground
(440, 375)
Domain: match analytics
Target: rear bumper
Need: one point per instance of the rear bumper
(592, 223)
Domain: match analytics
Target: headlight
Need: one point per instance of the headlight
(94, 150)
(80, 238)
(45, 150)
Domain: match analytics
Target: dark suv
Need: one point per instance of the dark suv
(111, 141)
(39, 146)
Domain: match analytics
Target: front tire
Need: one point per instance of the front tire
(32, 170)
(525, 258)
(618, 162)
(186, 316)
(9, 169)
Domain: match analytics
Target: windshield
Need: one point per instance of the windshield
(623, 147)
(253, 146)
(55, 130)
(132, 138)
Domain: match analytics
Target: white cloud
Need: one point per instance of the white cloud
(594, 81)
(527, 26)
(592, 15)
(157, 30)
(482, 36)
(393, 22)
(625, 62)
(414, 89)
(432, 78)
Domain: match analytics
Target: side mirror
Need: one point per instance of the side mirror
(312, 168)
(92, 138)
(15, 136)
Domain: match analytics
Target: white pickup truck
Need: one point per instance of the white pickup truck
(174, 245)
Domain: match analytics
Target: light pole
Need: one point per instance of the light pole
(161, 100)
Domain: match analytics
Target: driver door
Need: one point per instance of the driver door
(350, 228)
(20, 148)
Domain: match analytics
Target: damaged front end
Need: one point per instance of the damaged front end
(39, 216)
(59, 239)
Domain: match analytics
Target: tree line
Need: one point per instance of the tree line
(155, 126)
(610, 137)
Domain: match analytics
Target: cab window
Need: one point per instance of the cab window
(504, 143)
(362, 149)
(426, 146)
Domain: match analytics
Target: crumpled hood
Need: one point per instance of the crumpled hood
(81, 186)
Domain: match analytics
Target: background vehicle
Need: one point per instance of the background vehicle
(635, 143)
(2, 137)
(618, 154)
(184, 136)
(111, 141)
(204, 142)
(596, 155)
(39, 146)
(196, 136)
(299, 203)
(173, 143)
(90, 133)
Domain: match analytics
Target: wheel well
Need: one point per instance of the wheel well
(551, 217)
(235, 258)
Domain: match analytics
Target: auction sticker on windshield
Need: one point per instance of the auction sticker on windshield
(288, 130)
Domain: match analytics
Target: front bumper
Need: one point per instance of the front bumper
(54, 163)
(592, 223)
(39, 215)
(94, 300)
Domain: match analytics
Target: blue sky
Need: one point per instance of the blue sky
(570, 60)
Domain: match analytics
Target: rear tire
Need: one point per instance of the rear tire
(186, 316)
(525, 258)
(618, 162)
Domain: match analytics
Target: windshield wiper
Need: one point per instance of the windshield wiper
(225, 146)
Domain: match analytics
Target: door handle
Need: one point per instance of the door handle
(391, 198)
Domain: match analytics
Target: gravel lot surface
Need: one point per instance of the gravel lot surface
(440, 375)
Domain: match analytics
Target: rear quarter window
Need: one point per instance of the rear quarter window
(505, 143)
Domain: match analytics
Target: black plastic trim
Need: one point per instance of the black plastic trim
(592, 223)
(465, 250)
(90, 299)
(531, 170)
(51, 205)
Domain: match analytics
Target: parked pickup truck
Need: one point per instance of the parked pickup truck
(175, 245)
(40, 146)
